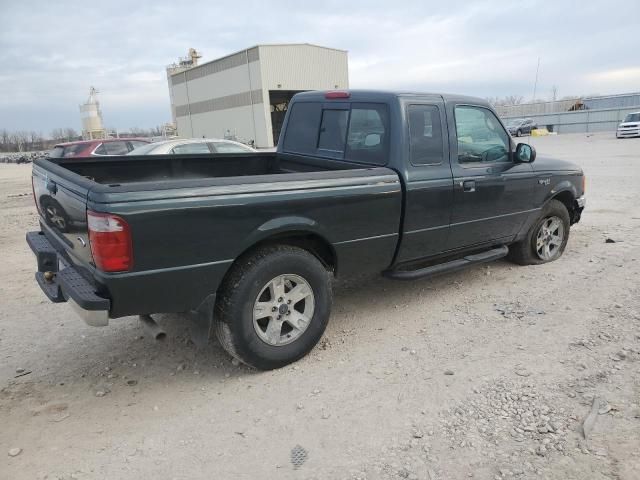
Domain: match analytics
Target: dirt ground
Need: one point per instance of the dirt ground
(486, 373)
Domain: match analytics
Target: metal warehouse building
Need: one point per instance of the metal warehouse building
(245, 95)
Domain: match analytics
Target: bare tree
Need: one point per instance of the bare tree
(4, 140)
(57, 134)
(70, 134)
(507, 100)
(554, 93)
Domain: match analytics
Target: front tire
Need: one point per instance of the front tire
(518, 133)
(546, 239)
(273, 307)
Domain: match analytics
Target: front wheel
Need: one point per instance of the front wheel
(274, 306)
(546, 239)
(518, 133)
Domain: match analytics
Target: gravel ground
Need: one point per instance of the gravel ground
(486, 373)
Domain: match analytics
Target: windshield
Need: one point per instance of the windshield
(514, 121)
(632, 117)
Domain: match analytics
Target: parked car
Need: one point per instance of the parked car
(192, 146)
(96, 148)
(521, 126)
(251, 247)
(630, 126)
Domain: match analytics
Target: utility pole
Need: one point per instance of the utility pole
(535, 84)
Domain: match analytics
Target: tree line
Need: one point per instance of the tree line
(28, 141)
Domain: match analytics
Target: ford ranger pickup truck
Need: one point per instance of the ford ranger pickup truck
(406, 185)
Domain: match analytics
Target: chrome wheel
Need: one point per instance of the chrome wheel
(549, 238)
(283, 310)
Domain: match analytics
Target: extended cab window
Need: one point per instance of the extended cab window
(425, 135)
(481, 138)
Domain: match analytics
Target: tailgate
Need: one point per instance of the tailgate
(61, 198)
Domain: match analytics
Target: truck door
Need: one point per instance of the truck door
(491, 192)
(429, 184)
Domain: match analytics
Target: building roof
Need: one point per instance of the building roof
(258, 46)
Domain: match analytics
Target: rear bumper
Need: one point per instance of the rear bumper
(61, 282)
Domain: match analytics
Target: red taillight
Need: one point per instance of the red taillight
(337, 94)
(110, 240)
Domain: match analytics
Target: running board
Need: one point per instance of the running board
(452, 266)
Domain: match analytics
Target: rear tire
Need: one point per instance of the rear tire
(546, 239)
(261, 319)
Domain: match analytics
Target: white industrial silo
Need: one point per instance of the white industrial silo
(91, 115)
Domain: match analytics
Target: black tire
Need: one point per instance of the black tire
(234, 324)
(525, 251)
(518, 133)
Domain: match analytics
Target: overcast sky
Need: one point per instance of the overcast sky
(52, 51)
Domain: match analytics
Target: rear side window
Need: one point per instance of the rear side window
(301, 135)
(114, 148)
(425, 135)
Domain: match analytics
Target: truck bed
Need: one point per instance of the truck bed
(116, 171)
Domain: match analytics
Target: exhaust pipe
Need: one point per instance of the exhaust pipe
(152, 328)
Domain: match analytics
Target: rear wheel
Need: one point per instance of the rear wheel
(274, 306)
(546, 239)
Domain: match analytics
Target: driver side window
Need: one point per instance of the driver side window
(481, 138)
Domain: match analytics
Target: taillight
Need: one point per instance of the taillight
(110, 240)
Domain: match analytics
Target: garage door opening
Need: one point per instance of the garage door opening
(279, 102)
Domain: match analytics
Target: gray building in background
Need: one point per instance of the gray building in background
(245, 95)
(582, 115)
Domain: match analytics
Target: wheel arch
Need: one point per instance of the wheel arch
(566, 195)
(298, 232)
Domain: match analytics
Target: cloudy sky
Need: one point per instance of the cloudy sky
(52, 51)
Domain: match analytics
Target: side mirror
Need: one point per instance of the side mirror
(372, 140)
(525, 153)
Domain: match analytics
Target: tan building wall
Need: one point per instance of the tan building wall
(230, 96)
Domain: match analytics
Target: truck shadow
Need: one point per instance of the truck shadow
(122, 358)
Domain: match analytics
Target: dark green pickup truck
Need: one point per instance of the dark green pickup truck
(403, 184)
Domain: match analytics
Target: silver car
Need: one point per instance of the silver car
(630, 126)
(192, 146)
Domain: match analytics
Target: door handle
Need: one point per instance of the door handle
(469, 186)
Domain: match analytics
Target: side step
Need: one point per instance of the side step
(452, 266)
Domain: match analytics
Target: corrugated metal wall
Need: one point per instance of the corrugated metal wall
(583, 121)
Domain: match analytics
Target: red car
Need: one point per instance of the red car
(96, 148)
